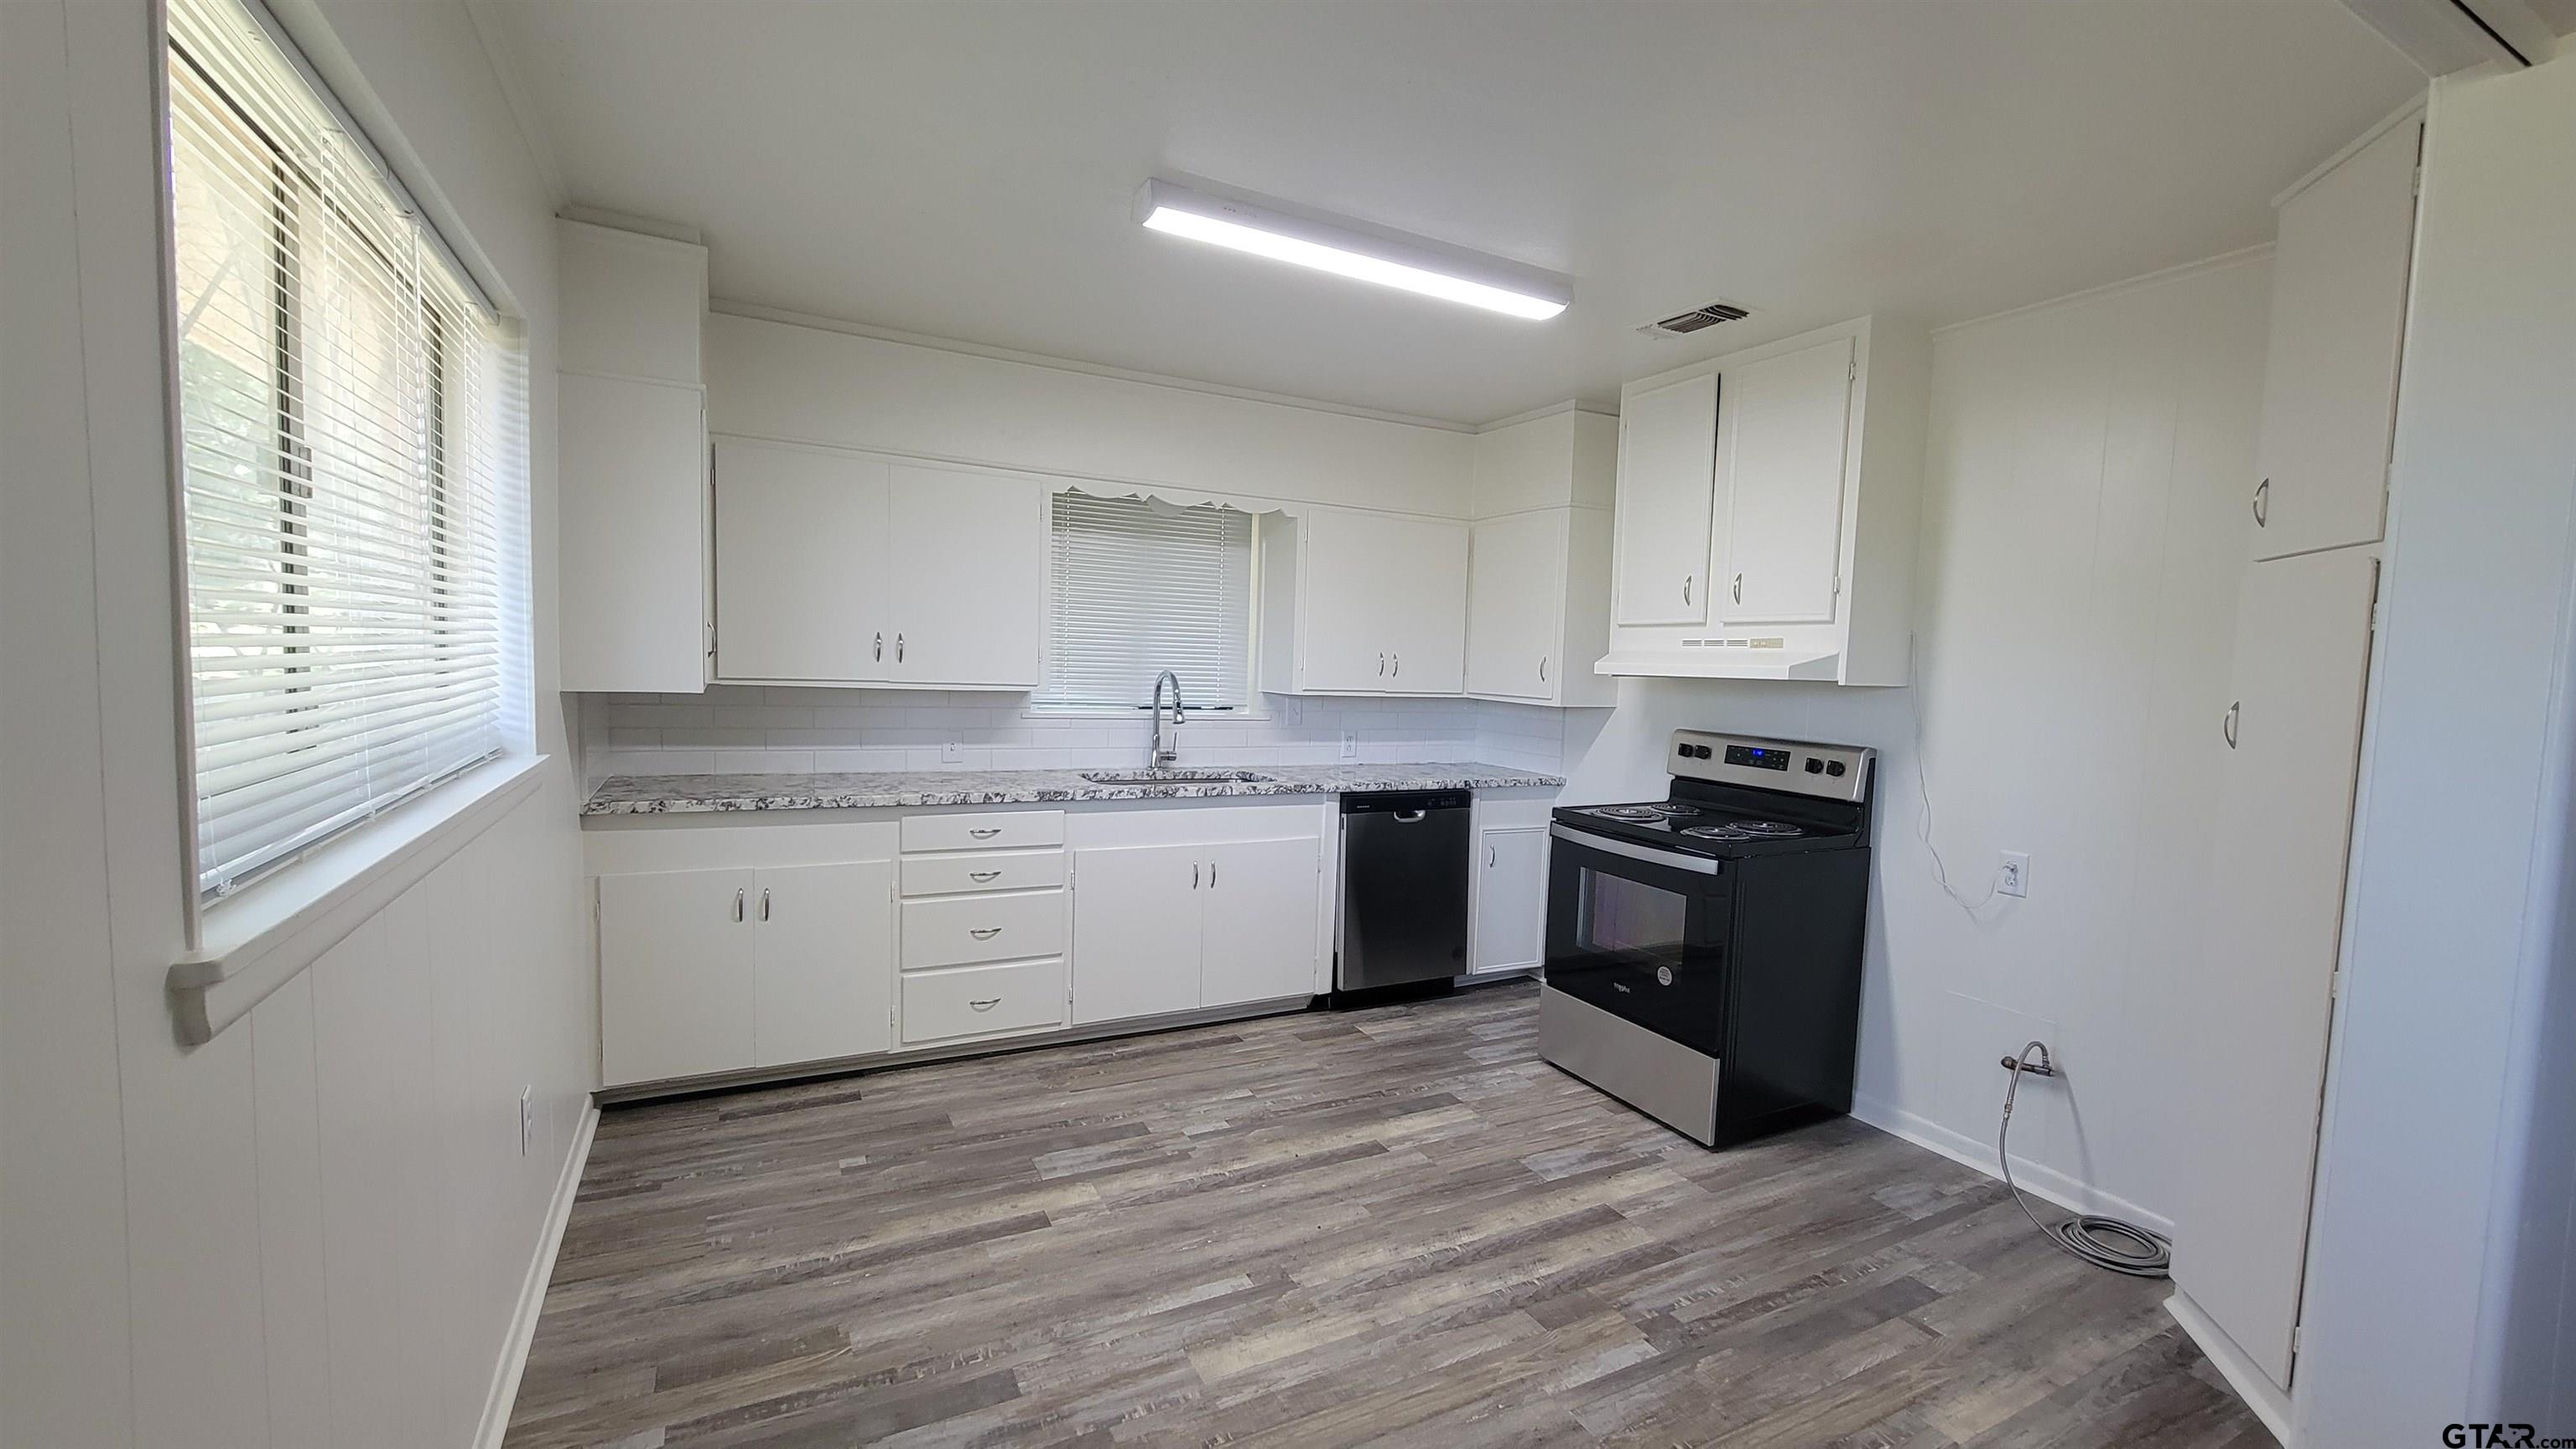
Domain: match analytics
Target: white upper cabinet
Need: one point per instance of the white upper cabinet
(835, 567)
(631, 462)
(2330, 377)
(800, 595)
(1512, 573)
(1791, 524)
(1782, 438)
(1363, 603)
(966, 577)
(1538, 568)
(1667, 471)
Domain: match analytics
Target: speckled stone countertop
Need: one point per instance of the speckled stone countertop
(701, 794)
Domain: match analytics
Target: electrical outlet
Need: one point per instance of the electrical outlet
(953, 753)
(1350, 745)
(527, 1119)
(2012, 878)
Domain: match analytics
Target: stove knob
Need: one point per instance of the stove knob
(1682, 750)
(1700, 750)
(1833, 767)
(1815, 766)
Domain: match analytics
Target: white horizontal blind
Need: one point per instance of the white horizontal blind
(1139, 586)
(353, 435)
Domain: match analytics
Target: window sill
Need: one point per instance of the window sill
(257, 941)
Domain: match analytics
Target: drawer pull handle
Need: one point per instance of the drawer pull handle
(985, 934)
(987, 1004)
(737, 907)
(986, 833)
(982, 874)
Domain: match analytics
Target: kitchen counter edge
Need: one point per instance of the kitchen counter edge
(905, 789)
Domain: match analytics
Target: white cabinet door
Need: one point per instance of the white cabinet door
(2330, 377)
(2265, 997)
(1667, 461)
(1511, 900)
(1423, 598)
(1344, 634)
(675, 974)
(1258, 943)
(1515, 584)
(965, 577)
(1787, 430)
(1136, 916)
(824, 979)
(634, 535)
(800, 564)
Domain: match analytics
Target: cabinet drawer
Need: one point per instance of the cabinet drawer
(1000, 830)
(962, 929)
(981, 1000)
(1016, 870)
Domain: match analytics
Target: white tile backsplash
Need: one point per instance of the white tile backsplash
(782, 729)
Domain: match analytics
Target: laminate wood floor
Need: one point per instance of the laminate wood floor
(1391, 1226)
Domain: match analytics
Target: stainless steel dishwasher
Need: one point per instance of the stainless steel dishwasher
(1404, 888)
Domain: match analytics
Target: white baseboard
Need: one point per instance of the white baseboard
(532, 1290)
(2251, 1384)
(2072, 1194)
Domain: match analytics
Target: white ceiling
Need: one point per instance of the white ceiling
(964, 168)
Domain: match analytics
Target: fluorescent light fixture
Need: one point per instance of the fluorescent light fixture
(1353, 249)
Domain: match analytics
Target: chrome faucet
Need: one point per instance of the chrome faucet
(1166, 754)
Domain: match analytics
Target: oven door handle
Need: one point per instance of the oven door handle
(1670, 859)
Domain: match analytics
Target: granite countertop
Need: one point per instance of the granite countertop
(700, 794)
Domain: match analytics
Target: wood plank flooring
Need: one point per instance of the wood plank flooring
(1391, 1226)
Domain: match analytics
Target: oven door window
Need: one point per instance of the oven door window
(1640, 942)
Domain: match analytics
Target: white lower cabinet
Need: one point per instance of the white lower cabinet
(706, 971)
(1159, 928)
(1511, 900)
(970, 1001)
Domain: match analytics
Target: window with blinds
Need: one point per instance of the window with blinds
(353, 453)
(1138, 586)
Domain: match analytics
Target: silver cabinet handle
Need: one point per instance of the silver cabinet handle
(2227, 726)
(1399, 664)
(985, 933)
(2263, 504)
(1381, 665)
(898, 648)
(880, 654)
(982, 874)
(1739, 588)
(1211, 875)
(1407, 817)
(1489, 857)
(987, 1004)
(764, 903)
(1686, 586)
(1542, 669)
(1194, 875)
(985, 833)
(737, 907)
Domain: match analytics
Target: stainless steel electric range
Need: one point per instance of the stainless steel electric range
(1704, 950)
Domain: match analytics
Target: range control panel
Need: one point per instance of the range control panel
(1831, 772)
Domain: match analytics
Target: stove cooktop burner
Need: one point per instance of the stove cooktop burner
(1645, 814)
(1743, 830)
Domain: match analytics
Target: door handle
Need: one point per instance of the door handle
(898, 648)
(986, 832)
(985, 933)
(1542, 669)
(880, 652)
(1381, 665)
(764, 903)
(1407, 817)
(1399, 664)
(982, 874)
(1194, 875)
(1489, 857)
(2227, 726)
(1686, 586)
(737, 908)
(2263, 504)
(1211, 875)
(987, 1004)
(1739, 588)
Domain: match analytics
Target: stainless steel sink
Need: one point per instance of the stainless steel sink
(1176, 777)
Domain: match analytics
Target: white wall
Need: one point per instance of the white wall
(2440, 1276)
(314, 1229)
(770, 379)
(2082, 531)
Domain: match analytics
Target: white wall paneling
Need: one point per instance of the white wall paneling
(178, 1226)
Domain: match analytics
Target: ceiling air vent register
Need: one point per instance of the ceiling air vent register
(1682, 324)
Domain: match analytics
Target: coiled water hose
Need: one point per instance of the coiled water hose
(2122, 1247)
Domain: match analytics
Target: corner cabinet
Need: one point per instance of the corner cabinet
(1538, 566)
(1363, 603)
(1767, 508)
(834, 567)
(631, 446)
